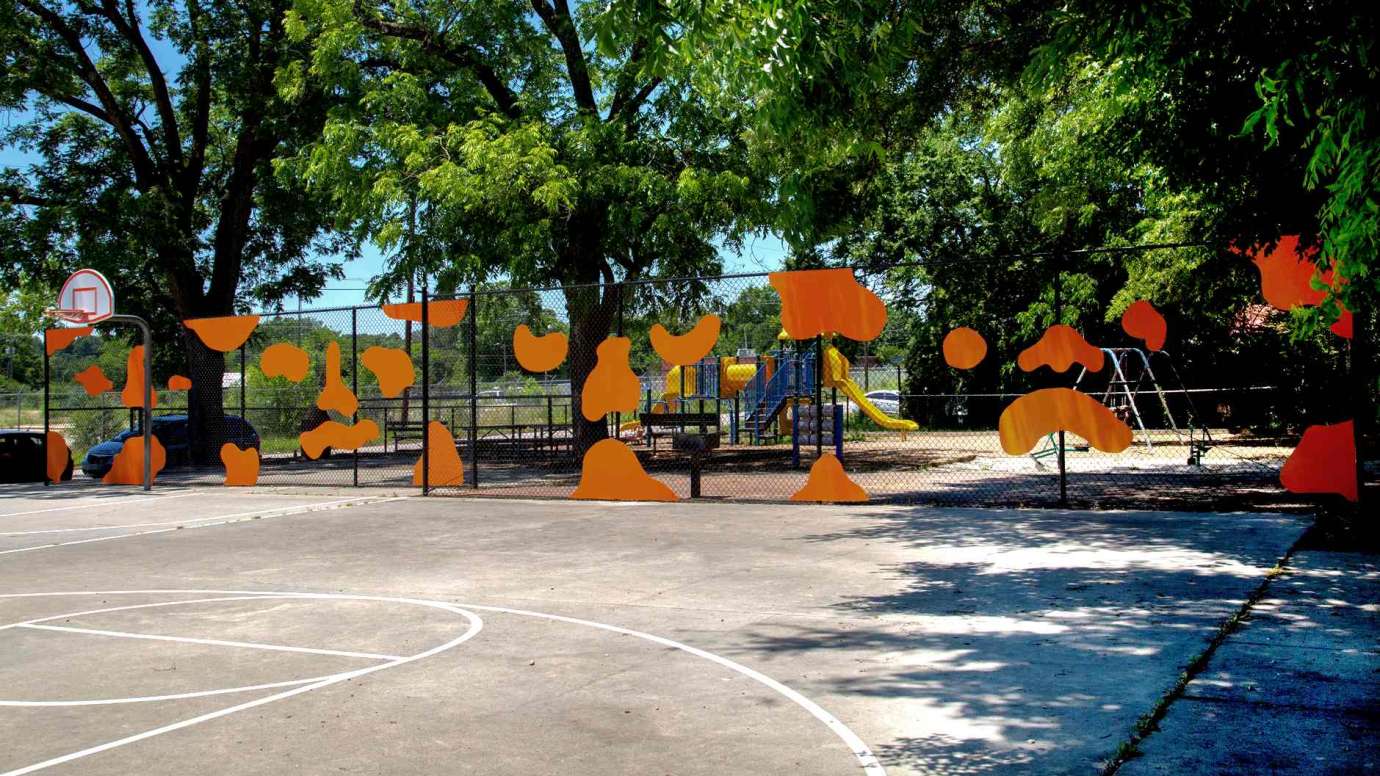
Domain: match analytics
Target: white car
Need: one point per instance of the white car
(886, 401)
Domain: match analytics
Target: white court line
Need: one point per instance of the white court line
(211, 642)
(183, 521)
(104, 501)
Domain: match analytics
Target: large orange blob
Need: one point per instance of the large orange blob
(690, 347)
(337, 436)
(611, 472)
(1286, 280)
(335, 396)
(611, 385)
(59, 455)
(225, 333)
(441, 313)
(964, 348)
(1060, 347)
(539, 354)
(1324, 462)
(179, 383)
(827, 301)
(1037, 414)
(392, 367)
(444, 467)
(1142, 321)
(284, 359)
(829, 483)
(57, 339)
(93, 380)
(132, 395)
(241, 466)
(127, 468)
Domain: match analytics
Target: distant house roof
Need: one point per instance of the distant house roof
(1252, 318)
(229, 379)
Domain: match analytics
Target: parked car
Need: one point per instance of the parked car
(171, 433)
(21, 457)
(886, 401)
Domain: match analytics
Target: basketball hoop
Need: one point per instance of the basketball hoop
(74, 317)
(85, 298)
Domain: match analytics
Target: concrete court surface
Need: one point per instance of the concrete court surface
(226, 631)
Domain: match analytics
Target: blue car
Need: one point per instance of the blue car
(171, 433)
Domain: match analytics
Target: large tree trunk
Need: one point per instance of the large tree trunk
(590, 323)
(205, 401)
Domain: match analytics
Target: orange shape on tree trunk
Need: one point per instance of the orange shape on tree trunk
(283, 359)
(57, 339)
(225, 333)
(179, 383)
(828, 482)
(690, 347)
(392, 367)
(444, 466)
(539, 354)
(1324, 462)
(1142, 321)
(335, 396)
(132, 395)
(337, 436)
(611, 386)
(441, 313)
(1286, 280)
(241, 466)
(611, 472)
(59, 455)
(1037, 414)
(964, 348)
(93, 380)
(827, 301)
(1060, 347)
(127, 468)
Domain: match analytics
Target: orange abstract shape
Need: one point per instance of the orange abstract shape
(964, 348)
(132, 395)
(687, 348)
(241, 466)
(827, 301)
(93, 380)
(128, 466)
(57, 339)
(829, 483)
(59, 455)
(441, 313)
(1037, 414)
(337, 436)
(1142, 321)
(539, 354)
(225, 333)
(1342, 327)
(1286, 280)
(611, 385)
(1324, 462)
(444, 466)
(392, 367)
(611, 472)
(179, 383)
(1059, 348)
(283, 359)
(335, 396)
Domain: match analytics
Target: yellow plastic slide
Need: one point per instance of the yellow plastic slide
(836, 376)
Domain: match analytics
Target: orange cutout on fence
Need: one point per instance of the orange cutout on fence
(1142, 321)
(225, 333)
(392, 367)
(93, 380)
(690, 347)
(283, 359)
(1037, 414)
(827, 301)
(179, 383)
(539, 354)
(444, 466)
(441, 313)
(1286, 280)
(59, 455)
(828, 482)
(1060, 347)
(1324, 462)
(337, 436)
(611, 386)
(335, 396)
(57, 339)
(128, 466)
(964, 348)
(611, 472)
(132, 396)
(241, 466)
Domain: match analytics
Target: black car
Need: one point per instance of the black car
(171, 433)
(21, 457)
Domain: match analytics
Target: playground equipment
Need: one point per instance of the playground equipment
(836, 375)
